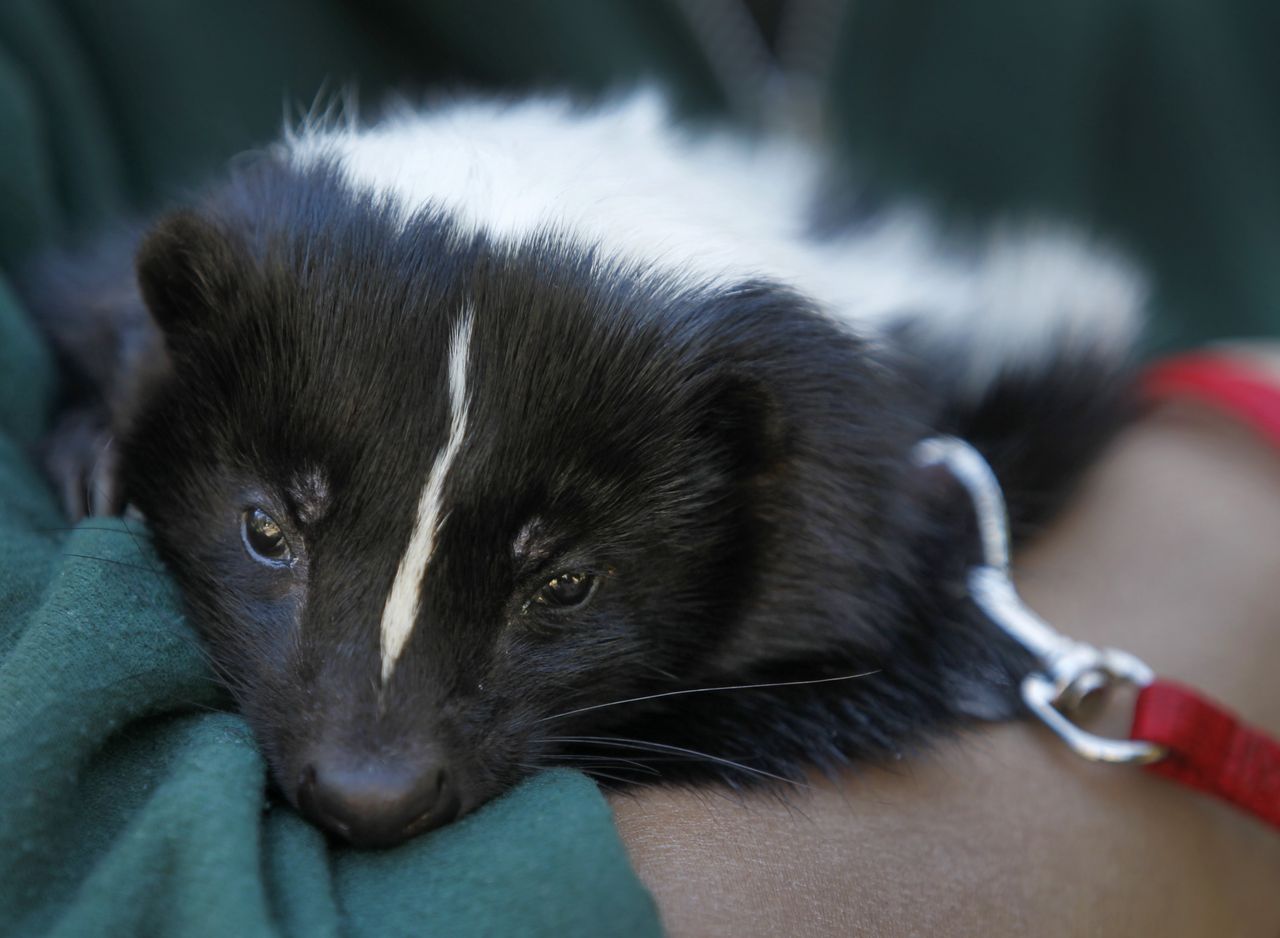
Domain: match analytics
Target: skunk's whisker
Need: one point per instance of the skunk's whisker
(707, 690)
(615, 760)
(136, 544)
(649, 746)
(71, 528)
(118, 563)
(597, 774)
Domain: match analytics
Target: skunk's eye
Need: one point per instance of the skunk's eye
(566, 590)
(263, 538)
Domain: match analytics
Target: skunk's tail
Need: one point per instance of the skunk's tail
(1040, 376)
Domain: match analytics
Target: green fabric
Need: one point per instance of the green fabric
(128, 805)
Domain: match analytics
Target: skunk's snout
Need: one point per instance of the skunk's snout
(377, 803)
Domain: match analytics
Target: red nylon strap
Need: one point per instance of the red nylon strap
(1210, 749)
(1246, 392)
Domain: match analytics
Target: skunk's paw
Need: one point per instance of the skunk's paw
(81, 461)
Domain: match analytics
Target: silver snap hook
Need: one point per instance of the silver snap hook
(1069, 670)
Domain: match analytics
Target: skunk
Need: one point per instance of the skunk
(502, 435)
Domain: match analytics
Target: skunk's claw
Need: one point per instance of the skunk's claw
(81, 461)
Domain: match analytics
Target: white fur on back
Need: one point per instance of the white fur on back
(716, 206)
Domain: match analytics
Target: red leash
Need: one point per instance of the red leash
(1226, 384)
(1208, 747)
(1176, 732)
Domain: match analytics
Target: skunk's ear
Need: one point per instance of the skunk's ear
(187, 271)
(745, 418)
(748, 409)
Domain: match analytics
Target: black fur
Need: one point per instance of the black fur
(733, 466)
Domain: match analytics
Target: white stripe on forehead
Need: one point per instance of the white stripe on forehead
(403, 602)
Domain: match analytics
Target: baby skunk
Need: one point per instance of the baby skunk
(509, 435)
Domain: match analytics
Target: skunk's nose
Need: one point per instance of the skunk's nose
(373, 803)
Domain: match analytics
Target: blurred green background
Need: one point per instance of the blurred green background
(1156, 122)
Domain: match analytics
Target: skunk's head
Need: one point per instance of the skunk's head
(424, 495)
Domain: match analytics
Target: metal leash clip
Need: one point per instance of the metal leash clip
(1069, 670)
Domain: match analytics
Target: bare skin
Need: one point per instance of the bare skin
(1172, 552)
